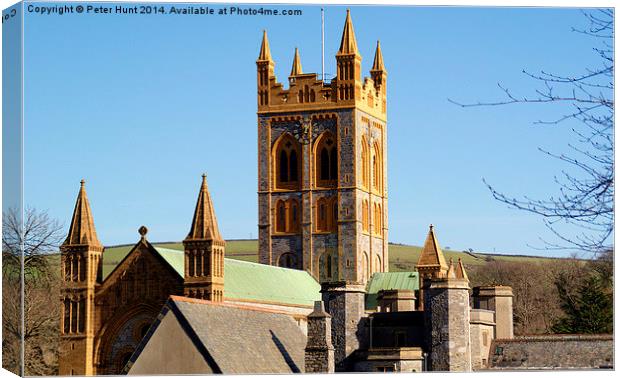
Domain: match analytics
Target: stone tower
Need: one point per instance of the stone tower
(204, 252)
(322, 177)
(431, 264)
(81, 262)
(447, 316)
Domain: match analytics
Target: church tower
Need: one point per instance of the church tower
(204, 252)
(81, 263)
(322, 177)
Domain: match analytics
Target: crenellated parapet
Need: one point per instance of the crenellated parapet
(308, 92)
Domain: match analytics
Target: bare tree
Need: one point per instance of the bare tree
(585, 198)
(38, 236)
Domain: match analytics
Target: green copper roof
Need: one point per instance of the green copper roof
(247, 280)
(389, 281)
(250, 281)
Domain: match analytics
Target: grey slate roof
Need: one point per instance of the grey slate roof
(243, 341)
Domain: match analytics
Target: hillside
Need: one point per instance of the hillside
(402, 257)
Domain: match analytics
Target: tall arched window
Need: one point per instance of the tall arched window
(365, 270)
(280, 216)
(377, 176)
(327, 214)
(365, 220)
(365, 163)
(326, 163)
(287, 160)
(328, 266)
(294, 215)
(378, 267)
(378, 220)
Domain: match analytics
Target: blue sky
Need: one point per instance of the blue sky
(141, 105)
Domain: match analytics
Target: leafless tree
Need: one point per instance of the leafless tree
(586, 193)
(38, 236)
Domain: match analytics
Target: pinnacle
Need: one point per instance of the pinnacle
(204, 224)
(348, 44)
(265, 53)
(378, 65)
(82, 228)
(296, 69)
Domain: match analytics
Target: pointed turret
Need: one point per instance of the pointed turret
(81, 257)
(296, 69)
(377, 64)
(460, 271)
(431, 255)
(348, 44)
(82, 230)
(204, 224)
(265, 52)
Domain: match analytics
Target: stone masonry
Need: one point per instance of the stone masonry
(447, 324)
(345, 303)
(319, 349)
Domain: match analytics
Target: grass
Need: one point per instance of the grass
(402, 257)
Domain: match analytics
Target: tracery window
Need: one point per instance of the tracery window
(287, 163)
(326, 160)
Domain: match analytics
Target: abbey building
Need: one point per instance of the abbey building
(321, 298)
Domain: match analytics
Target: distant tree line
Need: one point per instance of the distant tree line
(558, 296)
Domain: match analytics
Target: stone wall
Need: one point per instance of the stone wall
(552, 352)
(345, 303)
(447, 323)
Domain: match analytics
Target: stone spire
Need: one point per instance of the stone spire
(460, 271)
(431, 255)
(377, 64)
(348, 44)
(296, 69)
(204, 224)
(82, 230)
(265, 53)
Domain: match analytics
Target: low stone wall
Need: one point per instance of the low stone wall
(552, 352)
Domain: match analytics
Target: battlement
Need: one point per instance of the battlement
(308, 92)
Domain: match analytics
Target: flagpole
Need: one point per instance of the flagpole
(322, 45)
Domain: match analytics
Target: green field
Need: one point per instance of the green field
(402, 257)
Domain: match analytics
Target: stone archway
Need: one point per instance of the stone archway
(119, 338)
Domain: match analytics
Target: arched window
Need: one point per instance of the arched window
(191, 268)
(82, 315)
(288, 216)
(378, 267)
(328, 266)
(326, 163)
(365, 220)
(327, 214)
(74, 315)
(365, 163)
(67, 318)
(287, 260)
(287, 154)
(321, 214)
(294, 215)
(280, 216)
(377, 176)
